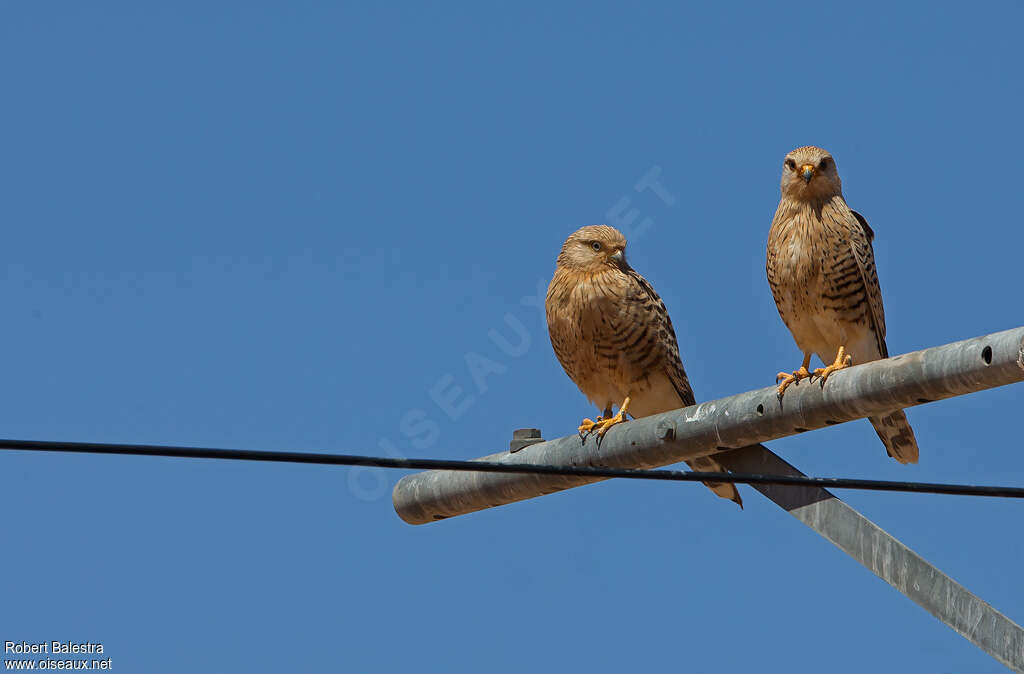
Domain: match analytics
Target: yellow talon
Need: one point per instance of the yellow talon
(787, 378)
(604, 423)
(843, 360)
(608, 423)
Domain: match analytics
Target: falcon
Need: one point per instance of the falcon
(614, 338)
(821, 269)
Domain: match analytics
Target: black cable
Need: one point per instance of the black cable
(494, 467)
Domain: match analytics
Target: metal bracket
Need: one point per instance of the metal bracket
(524, 437)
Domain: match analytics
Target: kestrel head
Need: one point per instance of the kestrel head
(809, 174)
(594, 248)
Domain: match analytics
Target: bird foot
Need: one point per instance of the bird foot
(843, 360)
(605, 422)
(602, 424)
(586, 426)
(786, 378)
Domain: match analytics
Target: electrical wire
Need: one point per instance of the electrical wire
(495, 467)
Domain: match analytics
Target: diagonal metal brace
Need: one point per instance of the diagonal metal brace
(949, 601)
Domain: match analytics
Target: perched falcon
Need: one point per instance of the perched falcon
(821, 268)
(613, 336)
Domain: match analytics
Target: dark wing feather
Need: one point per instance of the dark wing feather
(861, 236)
(665, 342)
(656, 312)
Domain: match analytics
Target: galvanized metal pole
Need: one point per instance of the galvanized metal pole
(728, 423)
(890, 560)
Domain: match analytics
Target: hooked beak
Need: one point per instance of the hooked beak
(619, 259)
(807, 172)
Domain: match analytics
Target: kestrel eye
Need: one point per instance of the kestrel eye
(595, 245)
(790, 164)
(823, 164)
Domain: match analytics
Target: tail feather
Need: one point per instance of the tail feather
(897, 436)
(724, 489)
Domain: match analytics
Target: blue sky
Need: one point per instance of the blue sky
(281, 227)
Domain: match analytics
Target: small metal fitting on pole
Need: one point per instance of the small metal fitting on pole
(524, 437)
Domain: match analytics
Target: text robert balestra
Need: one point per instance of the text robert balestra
(52, 647)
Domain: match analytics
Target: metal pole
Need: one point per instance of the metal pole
(887, 558)
(728, 423)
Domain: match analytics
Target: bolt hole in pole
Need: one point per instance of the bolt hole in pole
(986, 355)
(760, 410)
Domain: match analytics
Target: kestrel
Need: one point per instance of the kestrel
(821, 268)
(612, 334)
